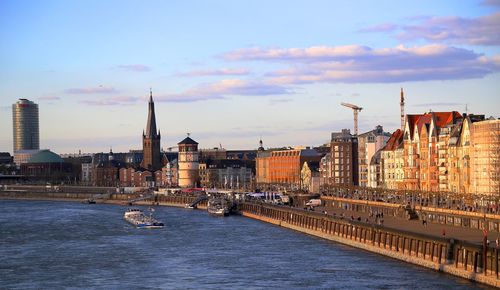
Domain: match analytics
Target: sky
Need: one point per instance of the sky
(233, 72)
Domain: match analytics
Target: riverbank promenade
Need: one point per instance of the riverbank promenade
(473, 236)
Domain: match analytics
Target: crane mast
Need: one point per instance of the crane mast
(355, 110)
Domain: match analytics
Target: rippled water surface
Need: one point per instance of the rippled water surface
(53, 245)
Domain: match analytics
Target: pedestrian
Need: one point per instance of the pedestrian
(496, 242)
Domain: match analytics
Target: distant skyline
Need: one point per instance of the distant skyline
(232, 72)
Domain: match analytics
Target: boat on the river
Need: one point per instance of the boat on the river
(89, 201)
(138, 219)
(218, 207)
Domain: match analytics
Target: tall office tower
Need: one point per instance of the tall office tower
(25, 125)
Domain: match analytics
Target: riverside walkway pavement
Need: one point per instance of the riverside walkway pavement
(474, 236)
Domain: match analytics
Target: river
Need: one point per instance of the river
(54, 245)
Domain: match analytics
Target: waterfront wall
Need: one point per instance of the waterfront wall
(447, 255)
(124, 199)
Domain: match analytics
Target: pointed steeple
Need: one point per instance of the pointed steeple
(151, 125)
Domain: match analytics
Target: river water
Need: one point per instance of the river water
(54, 245)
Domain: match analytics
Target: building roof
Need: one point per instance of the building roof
(441, 119)
(45, 156)
(188, 141)
(376, 158)
(342, 136)
(313, 165)
(444, 118)
(394, 140)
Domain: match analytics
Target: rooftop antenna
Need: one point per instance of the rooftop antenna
(466, 109)
(402, 107)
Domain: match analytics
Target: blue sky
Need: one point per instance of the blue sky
(230, 72)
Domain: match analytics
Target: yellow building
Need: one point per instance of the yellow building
(485, 137)
(390, 162)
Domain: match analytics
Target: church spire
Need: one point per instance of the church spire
(151, 125)
(151, 140)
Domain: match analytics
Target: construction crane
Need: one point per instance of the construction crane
(355, 110)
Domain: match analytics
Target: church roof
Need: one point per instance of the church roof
(188, 141)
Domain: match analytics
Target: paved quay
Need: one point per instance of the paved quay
(465, 234)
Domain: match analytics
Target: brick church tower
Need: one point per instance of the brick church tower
(151, 140)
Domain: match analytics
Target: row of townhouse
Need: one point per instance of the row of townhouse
(444, 151)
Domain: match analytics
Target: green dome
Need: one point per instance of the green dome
(45, 156)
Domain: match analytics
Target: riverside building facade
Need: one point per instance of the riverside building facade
(369, 143)
(444, 152)
(344, 159)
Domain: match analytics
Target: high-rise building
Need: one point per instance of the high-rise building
(151, 140)
(25, 125)
(344, 158)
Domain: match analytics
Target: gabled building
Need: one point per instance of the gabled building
(391, 161)
(376, 170)
(310, 176)
(368, 144)
(420, 140)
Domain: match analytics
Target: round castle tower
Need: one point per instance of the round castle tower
(188, 162)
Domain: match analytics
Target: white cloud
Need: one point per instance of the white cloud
(362, 64)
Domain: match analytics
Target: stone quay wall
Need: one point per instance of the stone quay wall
(451, 256)
(101, 195)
